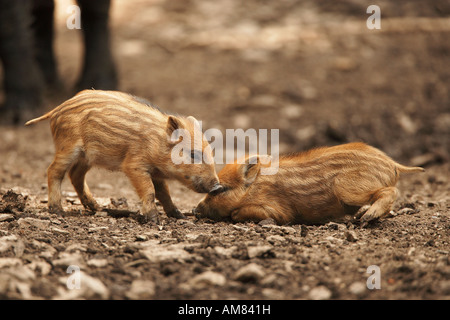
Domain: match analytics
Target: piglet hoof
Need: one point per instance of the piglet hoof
(151, 217)
(368, 221)
(55, 209)
(176, 214)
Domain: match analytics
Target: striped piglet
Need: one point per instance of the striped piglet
(118, 131)
(311, 187)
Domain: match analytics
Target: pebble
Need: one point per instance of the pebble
(6, 217)
(320, 293)
(99, 263)
(67, 259)
(266, 222)
(276, 239)
(10, 262)
(226, 252)
(166, 253)
(258, 251)
(38, 223)
(251, 272)
(406, 211)
(358, 288)
(141, 289)
(206, 279)
(60, 231)
(351, 236)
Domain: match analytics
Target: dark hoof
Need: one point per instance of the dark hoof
(176, 214)
(56, 210)
(151, 217)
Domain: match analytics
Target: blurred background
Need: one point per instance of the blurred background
(310, 68)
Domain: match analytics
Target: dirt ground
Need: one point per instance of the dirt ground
(311, 69)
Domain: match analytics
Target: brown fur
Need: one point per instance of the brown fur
(116, 131)
(311, 187)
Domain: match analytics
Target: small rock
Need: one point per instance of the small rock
(272, 294)
(303, 231)
(141, 289)
(358, 288)
(10, 262)
(320, 293)
(351, 236)
(167, 253)
(288, 230)
(67, 259)
(207, 278)
(259, 251)
(99, 263)
(276, 239)
(6, 217)
(38, 223)
(292, 111)
(60, 231)
(250, 273)
(268, 221)
(19, 248)
(406, 211)
(226, 252)
(332, 226)
(40, 266)
(141, 237)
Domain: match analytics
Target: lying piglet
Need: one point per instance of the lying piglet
(311, 187)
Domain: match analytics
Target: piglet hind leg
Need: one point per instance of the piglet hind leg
(250, 213)
(55, 175)
(382, 201)
(142, 182)
(77, 174)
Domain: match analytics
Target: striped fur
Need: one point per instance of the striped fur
(118, 131)
(311, 187)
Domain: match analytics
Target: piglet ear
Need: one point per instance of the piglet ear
(195, 122)
(218, 188)
(173, 128)
(250, 169)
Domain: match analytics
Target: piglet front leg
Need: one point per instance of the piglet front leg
(162, 194)
(141, 180)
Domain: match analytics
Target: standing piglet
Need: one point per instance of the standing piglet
(118, 131)
(311, 187)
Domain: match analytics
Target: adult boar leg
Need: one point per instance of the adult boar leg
(43, 11)
(22, 78)
(98, 70)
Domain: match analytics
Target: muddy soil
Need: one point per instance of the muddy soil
(311, 69)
